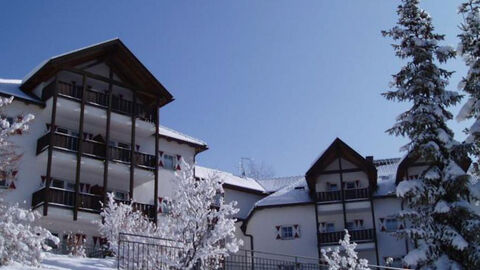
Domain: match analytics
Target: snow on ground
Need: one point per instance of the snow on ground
(65, 262)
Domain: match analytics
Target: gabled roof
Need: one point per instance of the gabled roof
(125, 64)
(10, 87)
(340, 149)
(230, 180)
(411, 159)
(170, 134)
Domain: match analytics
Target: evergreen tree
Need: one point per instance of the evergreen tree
(441, 222)
(469, 49)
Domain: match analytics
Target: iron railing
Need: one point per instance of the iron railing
(152, 253)
(95, 149)
(355, 235)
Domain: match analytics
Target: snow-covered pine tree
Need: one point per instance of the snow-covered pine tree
(20, 240)
(344, 257)
(200, 221)
(469, 49)
(441, 223)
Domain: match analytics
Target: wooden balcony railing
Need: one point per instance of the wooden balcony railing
(95, 149)
(357, 193)
(349, 194)
(364, 235)
(99, 98)
(87, 202)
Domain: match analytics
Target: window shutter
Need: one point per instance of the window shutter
(322, 227)
(178, 162)
(296, 231)
(382, 225)
(160, 159)
(279, 235)
(159, 210)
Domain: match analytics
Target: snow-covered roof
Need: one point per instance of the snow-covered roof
(168, 132)
(11, 87)
(274, 184)
(229, 178)
(294, 193)
(386, 171)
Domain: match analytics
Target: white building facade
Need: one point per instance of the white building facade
(342, 190)
(97, 130)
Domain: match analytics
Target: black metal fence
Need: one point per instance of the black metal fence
(151, 253)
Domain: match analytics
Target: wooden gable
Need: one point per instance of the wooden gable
(116, 55)
(339, 149)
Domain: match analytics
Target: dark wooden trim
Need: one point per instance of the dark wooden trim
(132, 144)
(346, 201)
(50, 147)
(343, 171)
(341, 188)
(107, 139)
(374, 230)
(80, 147)
(317, 232)
(108, 80)
(157, 127)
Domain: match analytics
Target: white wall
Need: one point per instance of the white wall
(245, 201)
(388, 245)
(262, 226)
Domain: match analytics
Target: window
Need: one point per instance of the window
(50, 242)
(350, 185)
(3, 179)
(165, 207)
(332, 187)
(393, 261)
(330, 227)
(286, 232)
(350, 226)
(391, 224)
(70, 186)
(123, 145)
(168, 162)
(62, 130)
(57, 183)
(120, 195)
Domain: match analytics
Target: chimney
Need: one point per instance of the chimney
(369, 159)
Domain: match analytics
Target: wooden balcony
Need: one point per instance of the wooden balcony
(365, 235)
(87, 202)
(349, 194)
(99, 99)
(95, 149)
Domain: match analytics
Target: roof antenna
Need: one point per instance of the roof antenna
(243, 172)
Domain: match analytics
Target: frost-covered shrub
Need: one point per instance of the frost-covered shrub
(121, 217)
(200, 221)
(20, 240)
(344, 257)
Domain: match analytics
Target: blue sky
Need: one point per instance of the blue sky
(276, 81)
